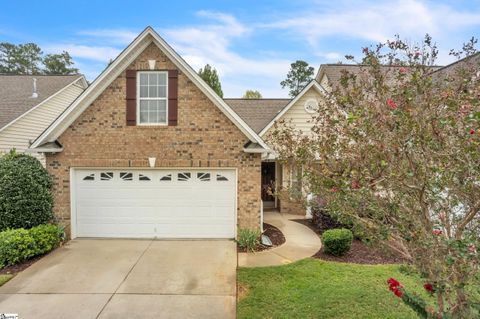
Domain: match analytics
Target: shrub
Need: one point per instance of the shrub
(337, 242)
(17, 245)
(248, 239)
(25, 197)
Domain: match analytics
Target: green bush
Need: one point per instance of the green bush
(17, 245)
(25, 197)
(248, 239)
(337, 242)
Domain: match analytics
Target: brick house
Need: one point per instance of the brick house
(150, 150)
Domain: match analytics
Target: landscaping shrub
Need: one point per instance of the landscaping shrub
(248, 239)
(337, 242)
(17, 245)
(25, 197)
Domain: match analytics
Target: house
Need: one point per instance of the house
(150, 150)
(29, 104)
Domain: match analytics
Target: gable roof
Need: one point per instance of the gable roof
(313, 84)
(257, 113)
(333, 72)
(115, 68)
(447, 70)
(16, 93)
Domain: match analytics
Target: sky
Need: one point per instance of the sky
(250, 43)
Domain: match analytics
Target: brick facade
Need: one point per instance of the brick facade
(204, 137)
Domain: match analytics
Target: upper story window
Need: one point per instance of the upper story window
(152, 98)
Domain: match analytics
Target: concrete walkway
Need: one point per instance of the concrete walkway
(106, 278)
(301, 242)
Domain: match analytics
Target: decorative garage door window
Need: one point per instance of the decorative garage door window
(221, 178)
(156, 175)
(142, 177)
(126, 176)
(204, 177)
(166, 178)
(89, 177)
(183, 177)
(106, 176)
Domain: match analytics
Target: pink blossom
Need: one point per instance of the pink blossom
(365, 50)
(472, 131)
(403, 70)
(472, 249)
(437, 232)
(391, 103)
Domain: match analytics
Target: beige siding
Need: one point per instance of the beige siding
(24, 130)
(297, 116)
(325, 83)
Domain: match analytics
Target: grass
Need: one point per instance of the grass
(312, 288)
(4, 279)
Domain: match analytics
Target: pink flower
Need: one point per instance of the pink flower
(403, 70)
(417, 54)
(391, 103)
(472, 249)
(397, 292)
(428, 287)
(365, 50)
(334, 189)
(472, 131)
(437, 232)
(355, 184)
(444, 94)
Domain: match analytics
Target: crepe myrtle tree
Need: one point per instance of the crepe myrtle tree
(395, 150)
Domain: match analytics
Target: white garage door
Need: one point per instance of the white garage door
(154, 203)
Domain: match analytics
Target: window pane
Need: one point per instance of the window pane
(143, 117)
(162, 91)
(143, 79)
(162, 105)
(143, 106)
(152, 91)
(143, 91)
(152, 79)
(162, 78)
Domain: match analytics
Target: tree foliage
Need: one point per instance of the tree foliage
(59, 64)
(395, 149)
(210, 76)
(298, 77)
(252, 94)
(28, 59)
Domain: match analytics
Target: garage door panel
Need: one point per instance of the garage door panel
(186, 204)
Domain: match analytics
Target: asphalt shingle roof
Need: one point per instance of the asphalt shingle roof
(16, 93)
(257, 113)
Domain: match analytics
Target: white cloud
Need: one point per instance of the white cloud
(96, 53)
(112, 36)
(376, 21)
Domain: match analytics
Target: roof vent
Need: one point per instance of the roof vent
(34, 94)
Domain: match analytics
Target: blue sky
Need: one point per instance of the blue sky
(251, 43)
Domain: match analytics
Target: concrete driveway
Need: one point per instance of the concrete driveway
(105, 278)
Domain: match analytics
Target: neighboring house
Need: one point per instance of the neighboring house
(26, 111)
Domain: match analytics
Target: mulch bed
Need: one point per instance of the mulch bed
(14, 269)
(360, 253)
(275, 235)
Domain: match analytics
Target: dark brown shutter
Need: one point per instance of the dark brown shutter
(172, 97)
(131, 97)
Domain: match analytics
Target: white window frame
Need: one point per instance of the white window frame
(151, 99)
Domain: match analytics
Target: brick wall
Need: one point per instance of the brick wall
(204, 137)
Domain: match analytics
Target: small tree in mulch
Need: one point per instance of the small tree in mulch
(395, 149)
(25, 197)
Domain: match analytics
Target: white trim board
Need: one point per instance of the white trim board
(313, 84)
(127, 56)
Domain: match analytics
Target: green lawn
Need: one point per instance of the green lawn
(5, 278)
(312, 288)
